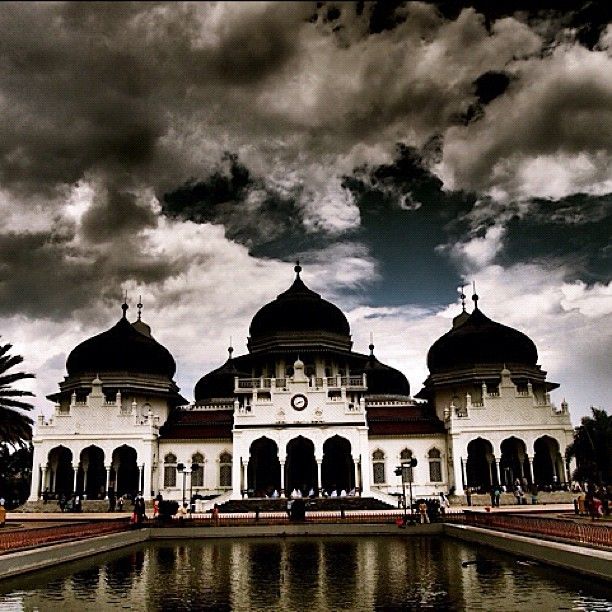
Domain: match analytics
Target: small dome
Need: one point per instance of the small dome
(299, 309)
(122, 348)
(479, 340)
(382, 379)
(218, 383)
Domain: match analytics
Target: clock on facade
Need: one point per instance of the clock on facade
(299, 402)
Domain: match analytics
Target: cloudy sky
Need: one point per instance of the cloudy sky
(188, 152)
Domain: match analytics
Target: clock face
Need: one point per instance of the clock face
(299, 402)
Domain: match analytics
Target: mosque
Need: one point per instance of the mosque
(301, 411)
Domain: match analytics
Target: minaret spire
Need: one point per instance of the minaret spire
(475, 296)
(297, 268)
(371, 347)
(230, 349)
(139, 306)
(124, 306)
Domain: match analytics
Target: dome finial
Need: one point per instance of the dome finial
(139, 306)
(462, 297)
(124, 306)
(475, 296)
(297, 268)
(371, 347)
(230, 349)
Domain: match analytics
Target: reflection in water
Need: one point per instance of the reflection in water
(365, 573)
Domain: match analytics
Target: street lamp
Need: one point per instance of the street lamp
(405, 471)
(184, 470)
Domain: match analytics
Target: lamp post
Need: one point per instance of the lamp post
(182, 469)
(403, 471)
(194, 467)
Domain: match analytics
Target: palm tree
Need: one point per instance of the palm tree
(15, 427)
(592, 447)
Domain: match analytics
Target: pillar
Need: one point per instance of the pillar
(85, 472)
(236, 469)
(282, 478)
(35, 488)
(319, 470)
(458, 475)
(244, 485)
(147, 493)
(108, 469)
(140, 471)
(498, 472)
(356, 466)
(531, 478)
(43, 481)
(75, 469)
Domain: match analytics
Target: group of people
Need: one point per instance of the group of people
(595, 502)
(311, 493)
(73, 503)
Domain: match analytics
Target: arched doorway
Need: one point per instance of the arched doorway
(480, 466)
(125, 475)
(61, 472)
(263, 475)
(338, 470)
(547, 463)
(301, 466)
(91, 477)
(513, 463)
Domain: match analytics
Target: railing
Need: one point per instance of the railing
(573, 532)
(11, 541)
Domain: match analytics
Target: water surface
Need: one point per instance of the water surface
(348, 573)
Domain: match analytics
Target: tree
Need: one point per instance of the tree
(15, 426)
(15, 474)
(592, 448)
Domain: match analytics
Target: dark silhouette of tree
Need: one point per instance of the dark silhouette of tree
(592, 448)
(15, 474)
(15, 426)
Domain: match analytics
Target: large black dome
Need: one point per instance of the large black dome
(382, 379)
(299, 309)
(122, 348)
(219, 383)
(479, 341)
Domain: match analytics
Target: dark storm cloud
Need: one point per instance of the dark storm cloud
(405, 214)
(45, 275)
(252, 213)
(114, 214)
(588, 18)
(573, 232)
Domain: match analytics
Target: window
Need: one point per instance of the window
(225, 470)
(169, 470)
(197, 470)
(378, 466)
(407, 472)
(435, 465)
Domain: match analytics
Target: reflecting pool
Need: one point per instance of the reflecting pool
(354, 573)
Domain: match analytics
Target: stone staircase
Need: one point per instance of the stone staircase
(319, 503)
(508, 499)
(88, 506)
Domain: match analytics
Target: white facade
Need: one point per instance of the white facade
(315, 427)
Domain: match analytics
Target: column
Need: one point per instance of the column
(245, 477)
(282, 478)
(140, 470)
(458, 475)
(108, 469)
(35, 488)
(147, 481)
(75, 468)
(236, 473)
(85, 472)
(531, 478)
(498, 471)
(319, 483)
(43, 481)
(356, 466)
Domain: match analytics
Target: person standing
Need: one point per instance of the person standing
(423, 512)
